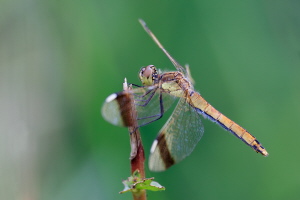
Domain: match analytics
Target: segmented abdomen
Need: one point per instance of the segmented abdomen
(207, 110)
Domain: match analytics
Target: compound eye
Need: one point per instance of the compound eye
(147, 72)
(146, 75)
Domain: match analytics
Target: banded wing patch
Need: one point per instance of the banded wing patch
(178, 137)
(150, 104)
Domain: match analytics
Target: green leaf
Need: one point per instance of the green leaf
(135, 184)
(148, 184)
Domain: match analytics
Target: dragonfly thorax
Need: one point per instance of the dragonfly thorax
(148, 75)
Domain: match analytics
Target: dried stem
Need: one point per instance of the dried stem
(137, 156)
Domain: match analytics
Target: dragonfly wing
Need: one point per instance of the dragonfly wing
(174, 62)
(117, 109)
(155, 106)
(149, 103)
(178, 137)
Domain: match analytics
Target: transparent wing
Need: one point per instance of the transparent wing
(178, 137)
(175, 63)
(150, 105)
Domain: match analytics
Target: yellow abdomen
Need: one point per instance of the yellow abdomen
(207, 110)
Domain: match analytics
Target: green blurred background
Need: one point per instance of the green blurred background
(59, 60)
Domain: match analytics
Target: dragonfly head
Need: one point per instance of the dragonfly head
(148, 75)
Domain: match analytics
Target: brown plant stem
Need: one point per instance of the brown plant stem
(137, 156)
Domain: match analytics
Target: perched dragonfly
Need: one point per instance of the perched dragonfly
(183, 130)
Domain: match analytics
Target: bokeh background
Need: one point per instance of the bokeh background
(59, 60)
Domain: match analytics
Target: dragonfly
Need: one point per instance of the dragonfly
(184, 129)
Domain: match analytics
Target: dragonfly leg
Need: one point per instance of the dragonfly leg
(135, 85)
(158, 116)
(147, 100)
(145, 94)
